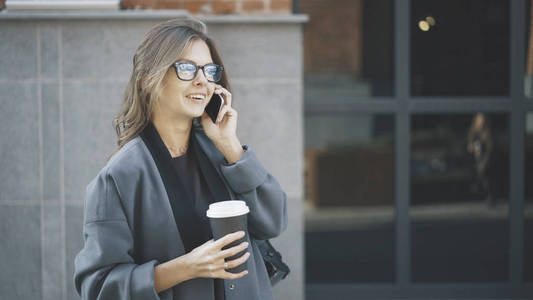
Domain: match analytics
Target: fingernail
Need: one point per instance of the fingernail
(245, 244)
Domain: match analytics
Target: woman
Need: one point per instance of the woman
(145, 227)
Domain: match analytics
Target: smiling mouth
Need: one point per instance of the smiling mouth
(196, 97)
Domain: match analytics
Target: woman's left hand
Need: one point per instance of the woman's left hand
(223, 132)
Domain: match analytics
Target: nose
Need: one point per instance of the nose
(200, 79)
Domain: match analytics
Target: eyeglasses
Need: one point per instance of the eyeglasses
(187, 71)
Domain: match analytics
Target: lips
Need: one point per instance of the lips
(196, 97)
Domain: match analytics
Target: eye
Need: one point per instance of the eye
(187, 67)
(211, 69)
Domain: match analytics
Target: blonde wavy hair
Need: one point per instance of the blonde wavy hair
(161, 47)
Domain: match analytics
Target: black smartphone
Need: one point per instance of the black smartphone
(213, 107)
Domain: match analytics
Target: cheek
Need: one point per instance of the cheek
(174, 90)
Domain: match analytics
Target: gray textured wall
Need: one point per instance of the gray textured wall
(62, 80)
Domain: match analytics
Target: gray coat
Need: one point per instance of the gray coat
(128, 198)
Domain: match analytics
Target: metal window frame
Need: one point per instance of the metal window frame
(402, 105)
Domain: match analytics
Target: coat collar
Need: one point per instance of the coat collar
(180, 200)
(210, 173)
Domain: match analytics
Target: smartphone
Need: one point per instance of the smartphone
(214, 106)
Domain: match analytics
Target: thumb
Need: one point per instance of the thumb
(206, 120)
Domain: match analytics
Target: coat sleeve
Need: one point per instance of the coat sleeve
(262, 193)
(105, 268)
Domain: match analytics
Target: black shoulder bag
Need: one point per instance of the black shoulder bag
(276, 268)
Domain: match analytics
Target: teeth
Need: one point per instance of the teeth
(199, 97)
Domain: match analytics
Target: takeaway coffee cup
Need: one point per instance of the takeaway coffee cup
(227, 217)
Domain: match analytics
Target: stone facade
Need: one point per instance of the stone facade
(62, 77)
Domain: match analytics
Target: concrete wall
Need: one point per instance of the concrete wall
(62, 76)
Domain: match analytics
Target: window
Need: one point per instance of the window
(459, 197)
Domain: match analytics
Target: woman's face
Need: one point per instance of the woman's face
(187, 99)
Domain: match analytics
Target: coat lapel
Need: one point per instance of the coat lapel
(212, 159)
(212, 178)
(180, 200)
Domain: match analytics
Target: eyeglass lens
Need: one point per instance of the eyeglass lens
(187, 71)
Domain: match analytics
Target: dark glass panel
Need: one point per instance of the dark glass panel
(528, 207)
(528, 82)
(349, 162)
(459, 47)
(459, 198)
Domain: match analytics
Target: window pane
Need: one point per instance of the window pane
(459, 47)
(528, 83)
(348, 49)
(349, 198)
(459, 197)
(528, 230)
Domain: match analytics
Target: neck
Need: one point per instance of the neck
(174, 133)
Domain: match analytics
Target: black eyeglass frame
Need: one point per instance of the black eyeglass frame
(175, 65)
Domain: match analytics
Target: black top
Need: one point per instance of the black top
(191, 177)
(189, 173)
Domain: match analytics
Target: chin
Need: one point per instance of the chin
(197, 114)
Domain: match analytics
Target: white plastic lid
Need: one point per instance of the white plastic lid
(226, 209)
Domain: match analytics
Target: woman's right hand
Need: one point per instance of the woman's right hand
(207, 260)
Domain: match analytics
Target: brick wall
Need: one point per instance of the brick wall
(333, 36)
(215, 6)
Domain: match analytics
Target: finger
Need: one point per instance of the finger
(226, 93)
(229, 238)
(228, 275)
(204, 116)
(228, 113)
(221, 113)
(206, 121)
(228, 97)
(231, 112)
(233, 250)
(237, 262)
(220, 264)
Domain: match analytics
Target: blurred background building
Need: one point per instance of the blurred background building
(402, 131)
(418, 149)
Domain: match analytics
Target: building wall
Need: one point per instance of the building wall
(61, 82)
(333, 51)
(215, 6)
(205, 6)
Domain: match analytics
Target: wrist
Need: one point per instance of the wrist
(231, 148)
(186, 266)
(171, 273)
